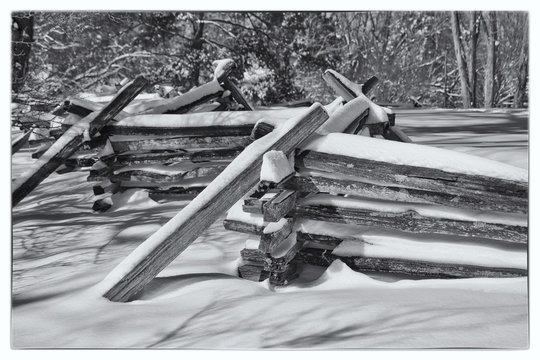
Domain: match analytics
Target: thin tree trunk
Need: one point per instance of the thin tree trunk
(445, 103)
(523, 67)
(197, 45)
(22, 36)
(489, 77)
(460, 60)
(472, 56)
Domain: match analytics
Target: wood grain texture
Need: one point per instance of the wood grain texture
(253, 272)
(243, 227)
(170, 156)
(269, 262)
(322, 257)
(149, 176)
(144, 270)
(328, 183)
(176, 195)
(122, 144)
(191, 131)
(279, 206)
(412, 222)
(494, 192)
(270, 241)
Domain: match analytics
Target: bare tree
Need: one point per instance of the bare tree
(474, 27)
(490, 23)
(523, 67)
(461, 60)
(22, 36)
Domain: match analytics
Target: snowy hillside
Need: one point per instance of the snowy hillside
(61, 250)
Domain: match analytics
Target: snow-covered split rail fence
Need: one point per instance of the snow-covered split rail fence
(388, 207)
(175, 154)
(141, 266)
(349, 91)
(366, 172)
(72, 140)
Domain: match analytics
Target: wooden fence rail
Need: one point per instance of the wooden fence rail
(72, 140)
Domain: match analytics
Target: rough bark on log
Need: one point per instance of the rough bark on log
(243, 227)
(122, 144)
(170, 156)
(71, 141)
(255, 257)
(412, 222)
(177, 195)
(318, 241)
(253, 273)
(409, 267)
(504, 193)
(149, 176)
(188, 131)
(128, 282)
(327, 182)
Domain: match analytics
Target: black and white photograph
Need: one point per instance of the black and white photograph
(269, 180)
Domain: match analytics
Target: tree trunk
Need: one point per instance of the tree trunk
(22, 36)
(520, 96)
(456, 33)
(472, 56)
(196, 46)
(489, 76)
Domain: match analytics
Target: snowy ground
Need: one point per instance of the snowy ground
(61, 249)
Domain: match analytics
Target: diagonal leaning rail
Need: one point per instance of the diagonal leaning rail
(72, 140)
(159, 250)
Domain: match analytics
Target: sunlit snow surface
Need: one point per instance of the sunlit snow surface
(61, 249)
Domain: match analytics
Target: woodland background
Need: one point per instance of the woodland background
(432, 59)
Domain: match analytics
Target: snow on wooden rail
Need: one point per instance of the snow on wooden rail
(393, 226)
(68, 143)
(349, 91)
(141, 266)
(158, 140)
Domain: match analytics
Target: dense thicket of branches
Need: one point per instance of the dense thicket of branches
(281, 56)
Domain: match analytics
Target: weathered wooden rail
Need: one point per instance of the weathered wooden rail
(343, 193)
